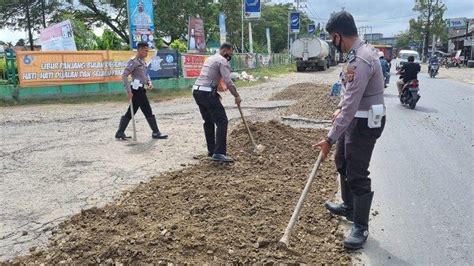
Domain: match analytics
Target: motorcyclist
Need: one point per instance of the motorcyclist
(408, 71)
(433, 60)
(385, 68)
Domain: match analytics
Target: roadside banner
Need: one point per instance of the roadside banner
(222, 28)
(312, 29)
(192, 64)
(59, 68)
(164, 64)
(295, 21)
(58, 37)
(196, 37)
(140, 18)
(252, 9)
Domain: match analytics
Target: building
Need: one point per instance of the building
(461, 36)
(377, 38)
(373, 37)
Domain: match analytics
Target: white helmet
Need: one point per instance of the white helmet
(381, 54)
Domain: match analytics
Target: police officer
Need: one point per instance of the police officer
(385, 68)
(205, 94)
(357, 123)
(136, 92)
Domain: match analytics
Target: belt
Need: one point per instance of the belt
(364, 114)
(202, 88)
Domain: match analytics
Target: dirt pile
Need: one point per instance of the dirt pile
(313, 100)
(214, 213)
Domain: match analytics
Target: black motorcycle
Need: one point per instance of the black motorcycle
(433, 69)
(410, 94)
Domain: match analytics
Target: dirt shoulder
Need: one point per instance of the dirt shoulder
(60, 159)
(212, 212)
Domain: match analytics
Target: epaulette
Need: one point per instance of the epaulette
(351, 56)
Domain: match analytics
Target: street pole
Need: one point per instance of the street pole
(423, 49)
(242, 36)
(250, 38)
(465, 46)
(288, 31)
(130, 27)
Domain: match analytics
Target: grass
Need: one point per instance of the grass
(155, 95)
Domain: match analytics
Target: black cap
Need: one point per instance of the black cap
(342, 22)
(142, 44)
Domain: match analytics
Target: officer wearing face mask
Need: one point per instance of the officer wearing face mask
(357, 124)
(205, 94)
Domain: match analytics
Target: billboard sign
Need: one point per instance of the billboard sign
(196, 37)
(253, 9)
(58, 37)
(295, 21)
(141, 23)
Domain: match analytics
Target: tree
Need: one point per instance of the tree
(109, 41)
(179, 46)
(110, 13)
(275, 17)
(403, 40)
(25, 15)
(429, 22)
(171, 18)
(20, 42)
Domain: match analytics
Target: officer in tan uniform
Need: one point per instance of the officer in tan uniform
(215, 69)
(357, 124)
(136, 92)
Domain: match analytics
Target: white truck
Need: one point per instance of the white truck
(310, 53)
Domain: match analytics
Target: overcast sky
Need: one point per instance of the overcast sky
(385, 16)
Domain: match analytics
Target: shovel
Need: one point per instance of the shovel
(256, 148)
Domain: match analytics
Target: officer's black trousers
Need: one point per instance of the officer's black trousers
(140, 100)
(353, 153)
(213, 114)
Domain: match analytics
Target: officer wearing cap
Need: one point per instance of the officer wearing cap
(136, 92)
(215, 69)
(357, 124)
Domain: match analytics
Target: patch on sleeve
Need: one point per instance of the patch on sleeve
(350, 73)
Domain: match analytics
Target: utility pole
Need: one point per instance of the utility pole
(297, 9)
(242, 37)
(250, 38)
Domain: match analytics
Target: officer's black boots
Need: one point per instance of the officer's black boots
(154, 128)
(122, 126)
(360, 227)
(346, 207)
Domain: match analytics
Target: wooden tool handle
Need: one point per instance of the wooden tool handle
(247, 127)
(289, 229)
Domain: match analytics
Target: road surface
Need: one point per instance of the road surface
(422, 174)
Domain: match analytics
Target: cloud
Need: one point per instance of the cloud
(388, 17)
